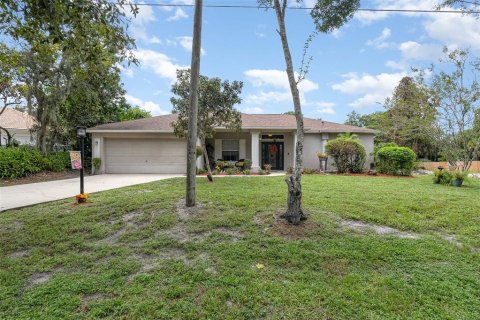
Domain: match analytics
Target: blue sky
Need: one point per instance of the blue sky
(354, 68)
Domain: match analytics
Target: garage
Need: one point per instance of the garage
(144, 155)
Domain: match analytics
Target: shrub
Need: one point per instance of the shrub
(17, 162)
(348, 154)
(229, 171)
(57, 161)
(442, 177)
(397, 161)
(261, 172)
(268, 168)
(380, 145)
(97, 162)
(246, 172)
(201, 171)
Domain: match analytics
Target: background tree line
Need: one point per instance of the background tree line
(436, 113)
(60, 62)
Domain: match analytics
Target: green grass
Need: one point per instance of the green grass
(204, 267)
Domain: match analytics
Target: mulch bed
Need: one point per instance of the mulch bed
(41, 177)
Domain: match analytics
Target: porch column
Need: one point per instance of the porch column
(200, 160)
(255, 150)
(324, 141)
(294, 149)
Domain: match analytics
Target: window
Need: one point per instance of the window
(230, 150)
(272, 136)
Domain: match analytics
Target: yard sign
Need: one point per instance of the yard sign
(76, 159)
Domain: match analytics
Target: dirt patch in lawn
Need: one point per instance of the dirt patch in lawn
(378, 229)
(277, 226)
(38, 278)
(19, 254)
(41, 177)
(185, 213)
(87, 299)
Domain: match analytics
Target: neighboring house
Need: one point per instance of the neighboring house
(149, 146)
(20, 125)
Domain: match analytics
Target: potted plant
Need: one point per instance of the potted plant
(442, 177)
(458, 176)
(322, 155)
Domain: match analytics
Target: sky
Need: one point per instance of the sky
(353, 68)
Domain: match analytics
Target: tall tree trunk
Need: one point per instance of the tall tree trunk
(294, 212)
(9, 137)
(207, 161)
(192, 117)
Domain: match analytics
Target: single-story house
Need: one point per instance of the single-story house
(20, 125)
(149, 145)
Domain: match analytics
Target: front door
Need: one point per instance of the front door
(272, 153)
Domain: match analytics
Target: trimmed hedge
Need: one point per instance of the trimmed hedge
(17, 162)
(397, 161)
(348, 154)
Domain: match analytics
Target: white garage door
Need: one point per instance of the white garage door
(145, 156)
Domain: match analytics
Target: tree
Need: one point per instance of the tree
(133, 113)
(466, 6)
(457, 97)
(327, 15)
(291, 113)
(410, 118)
(59, 39)
(216, 107)
(10, 85)
(193, 111)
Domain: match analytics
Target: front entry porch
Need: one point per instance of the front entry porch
(273, 153)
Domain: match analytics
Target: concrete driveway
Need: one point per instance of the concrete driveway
(34, 193)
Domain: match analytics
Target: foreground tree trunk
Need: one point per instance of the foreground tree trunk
(294, 212)
(192, 119)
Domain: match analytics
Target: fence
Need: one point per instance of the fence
(475, 167)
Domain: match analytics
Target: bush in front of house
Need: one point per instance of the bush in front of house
(348, 154)
(397, 161)
(17, 162)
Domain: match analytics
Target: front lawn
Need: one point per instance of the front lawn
(138, 253)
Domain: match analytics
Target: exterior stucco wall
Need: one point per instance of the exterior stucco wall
(23, 136)
(314, 143)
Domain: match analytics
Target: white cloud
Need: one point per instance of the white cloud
(139, 22)
(260, 34)
(277, 79)
(367, 17)
(412, 50)
(159, 63)
(179, 14)
(326, 110)
(324, 107)
(153, 107)
(373, 88)
(253, 110)
(187, 42)
(379, 42)
(455, 30)
(274, 86)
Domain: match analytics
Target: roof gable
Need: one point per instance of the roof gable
(14, 119)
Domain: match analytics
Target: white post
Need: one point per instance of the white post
(255, 151)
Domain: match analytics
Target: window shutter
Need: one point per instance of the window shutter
(218, 149)
(242, 149)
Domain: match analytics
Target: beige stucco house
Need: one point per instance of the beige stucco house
(149, 146)
(20, 125)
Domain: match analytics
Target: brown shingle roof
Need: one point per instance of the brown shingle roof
(14, 119)
(249, 121)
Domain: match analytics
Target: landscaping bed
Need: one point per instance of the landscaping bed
(371, 249)
(41, 177)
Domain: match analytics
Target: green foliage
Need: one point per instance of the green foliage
(133, 113)
(329, 15)
(348, 154)
(247, 172)
(229, 171)
(442, 177)
(57, 161)
(97, 162)
(201, 171)
(17, 162)
(216, 105)
(261, 172)
(380, 145)
(459, 175)
(268, 168)
(397, 161)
